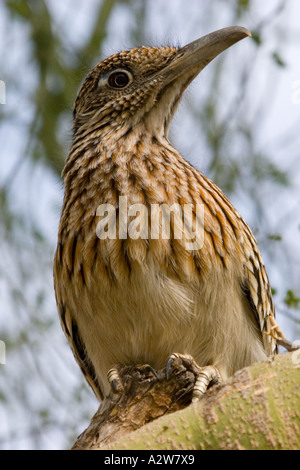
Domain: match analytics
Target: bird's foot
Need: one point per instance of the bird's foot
(115, 381)
(205, 376)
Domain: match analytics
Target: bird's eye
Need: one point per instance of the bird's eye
(119, 79)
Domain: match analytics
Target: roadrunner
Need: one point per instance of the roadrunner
(127, 294)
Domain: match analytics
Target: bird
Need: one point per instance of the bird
(127, 293)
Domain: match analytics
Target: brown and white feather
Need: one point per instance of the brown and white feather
(127, 301)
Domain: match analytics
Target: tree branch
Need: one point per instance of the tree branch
(258, 408)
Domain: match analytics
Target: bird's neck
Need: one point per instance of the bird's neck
(135, 151)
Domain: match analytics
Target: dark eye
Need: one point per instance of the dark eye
(119, 79)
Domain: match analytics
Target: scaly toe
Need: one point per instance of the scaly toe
(115, 381)
(208, 376)
(186, 360)
(205, 376)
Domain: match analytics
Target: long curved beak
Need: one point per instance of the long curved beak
(195, 56)
(170, 82)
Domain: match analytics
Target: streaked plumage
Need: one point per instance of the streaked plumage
(127, 301)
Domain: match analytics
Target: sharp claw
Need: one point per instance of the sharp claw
(115, 386)
(205, 376)
(149, 368)
(168, 367)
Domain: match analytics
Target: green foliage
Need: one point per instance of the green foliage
(292, 300)
(242, 6)
(264, 169)
(275, 237)
(278, 59)
(59, 73)
(256, 37)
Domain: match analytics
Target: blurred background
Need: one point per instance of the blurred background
(239, 123)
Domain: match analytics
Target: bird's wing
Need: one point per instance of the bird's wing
(257, 289)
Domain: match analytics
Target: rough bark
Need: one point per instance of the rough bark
(258, 408)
